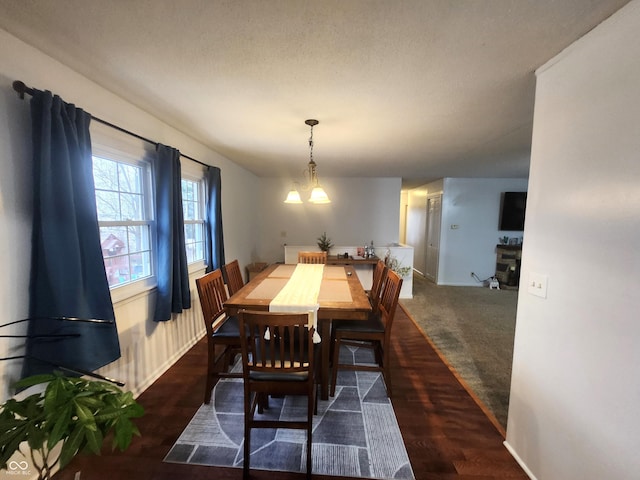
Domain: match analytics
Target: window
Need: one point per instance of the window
(193, 208)
(122, 199)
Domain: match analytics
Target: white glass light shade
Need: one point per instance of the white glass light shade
(318, 195)
(293, 197)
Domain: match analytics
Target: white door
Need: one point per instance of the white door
(434, 216)
(417, 228)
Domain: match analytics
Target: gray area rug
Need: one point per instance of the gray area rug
(355, 433)
(473, 328)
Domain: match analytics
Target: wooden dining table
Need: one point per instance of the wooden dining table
(341, 297)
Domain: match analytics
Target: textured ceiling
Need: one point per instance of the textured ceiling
(420, 89)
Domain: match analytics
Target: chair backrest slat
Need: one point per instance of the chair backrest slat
(312, 257)
(276, 342)
(212, 297)
(389, 299)
(379, 277)
(233, 276)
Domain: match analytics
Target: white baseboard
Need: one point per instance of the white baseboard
(519, 460)
(166, 365)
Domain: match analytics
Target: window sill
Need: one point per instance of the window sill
(128, 293)
(131, 292)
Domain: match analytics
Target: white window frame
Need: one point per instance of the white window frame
(113, 145)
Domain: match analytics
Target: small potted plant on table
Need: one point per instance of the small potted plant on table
(324, 242)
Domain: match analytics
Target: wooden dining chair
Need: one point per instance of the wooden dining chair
(233, 276)
(222, 329)
(312, 257)
(379, 277)
(277, 359)
(375, 332)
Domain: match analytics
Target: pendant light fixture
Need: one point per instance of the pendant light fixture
(318, 195)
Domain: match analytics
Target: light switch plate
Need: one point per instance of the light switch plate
(538, 284)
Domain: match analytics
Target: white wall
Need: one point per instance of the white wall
(473, 204)
(15, 226)
(148, 348)
(575, 392)
(361, 210)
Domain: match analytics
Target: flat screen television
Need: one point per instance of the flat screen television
(512, 211)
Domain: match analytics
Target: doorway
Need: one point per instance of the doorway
(434, 217)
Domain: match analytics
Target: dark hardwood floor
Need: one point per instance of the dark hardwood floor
(447, 435)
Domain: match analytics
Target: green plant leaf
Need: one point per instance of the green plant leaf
(72, 445)
(36, 436)
(33, 380)
(94, 440)
(135, 410)
(108, 413)
(106, 387)
(124, 431)
(90, 402)
(127, 397)
(61, 426)
(9, 425)
(33, 409)
(23, 408)
(11, 443)
(84, 414)
(54, 395)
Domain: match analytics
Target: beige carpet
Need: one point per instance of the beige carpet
(473, 328)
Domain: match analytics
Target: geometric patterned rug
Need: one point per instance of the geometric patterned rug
(355, 433)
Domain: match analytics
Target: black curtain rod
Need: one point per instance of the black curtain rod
(77, 371)
(62, 319)
(21, 88)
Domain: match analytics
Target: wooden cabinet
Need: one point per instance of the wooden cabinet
(508, 264)
(340, 260)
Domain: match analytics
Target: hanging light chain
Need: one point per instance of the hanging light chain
(311, 145)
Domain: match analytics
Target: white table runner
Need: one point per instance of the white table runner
(300, 294)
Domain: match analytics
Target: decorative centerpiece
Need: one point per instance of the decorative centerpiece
(324, 242)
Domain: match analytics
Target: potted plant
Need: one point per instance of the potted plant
(394, 264)
(75, 412)
(324, 242)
